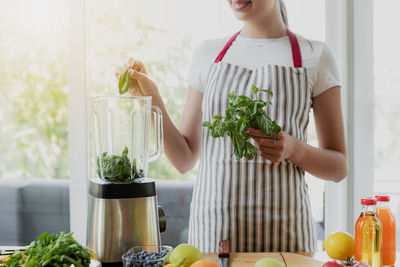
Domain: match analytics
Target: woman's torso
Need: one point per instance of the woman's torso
(256, 204)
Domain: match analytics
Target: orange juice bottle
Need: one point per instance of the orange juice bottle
(389, 230)
(368, 234)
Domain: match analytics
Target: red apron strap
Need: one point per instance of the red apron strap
(296, 53)
(226, 47)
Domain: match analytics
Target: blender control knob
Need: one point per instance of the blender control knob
(162, 219)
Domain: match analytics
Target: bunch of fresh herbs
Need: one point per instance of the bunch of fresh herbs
(242, 113)
(57, 250)
(117, 168)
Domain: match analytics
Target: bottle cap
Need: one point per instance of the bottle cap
(382, 197)
(368, 201)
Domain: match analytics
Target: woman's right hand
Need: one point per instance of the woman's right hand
(141, 82)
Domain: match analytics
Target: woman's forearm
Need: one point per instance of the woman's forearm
(176, 146)
(327, 164)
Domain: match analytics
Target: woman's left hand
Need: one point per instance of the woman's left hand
(274, 150)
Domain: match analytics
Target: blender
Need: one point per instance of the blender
(123, 209)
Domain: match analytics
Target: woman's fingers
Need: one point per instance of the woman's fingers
(139, 66)
(255, 132)
(132, 64)
(265, 141)
(268, 150)
(141, 82)
(271, 149)
(259, 133)
(139, 76)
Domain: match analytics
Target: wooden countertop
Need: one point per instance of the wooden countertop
(243, 259)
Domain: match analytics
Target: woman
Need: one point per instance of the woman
(260, 204)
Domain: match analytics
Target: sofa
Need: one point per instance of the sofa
(29, 207)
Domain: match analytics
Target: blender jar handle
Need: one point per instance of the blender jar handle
(158, 129)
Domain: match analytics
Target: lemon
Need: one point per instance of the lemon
(339, 246)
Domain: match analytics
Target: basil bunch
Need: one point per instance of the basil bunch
(118, 168)
(243, 113)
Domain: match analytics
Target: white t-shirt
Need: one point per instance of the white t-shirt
(251, 53)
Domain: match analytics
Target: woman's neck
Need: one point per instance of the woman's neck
(270, 26)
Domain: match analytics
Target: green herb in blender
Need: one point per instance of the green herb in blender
(52, 250)
(243, 113)
(118, 168)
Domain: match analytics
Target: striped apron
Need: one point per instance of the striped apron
(256, 204)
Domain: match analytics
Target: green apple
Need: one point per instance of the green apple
(269, 262)
(184, 255)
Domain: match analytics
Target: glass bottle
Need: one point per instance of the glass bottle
(389, 230)
(368, 234)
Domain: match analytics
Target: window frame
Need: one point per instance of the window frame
(350, 32)
(78, 134)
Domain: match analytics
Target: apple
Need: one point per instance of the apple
(184, 255)
(269, 262)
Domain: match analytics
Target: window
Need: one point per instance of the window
(387, 104)
(35, 61)
(34, 89)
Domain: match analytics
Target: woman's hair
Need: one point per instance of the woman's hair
(283, 12)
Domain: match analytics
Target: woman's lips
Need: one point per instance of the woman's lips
(240, 5)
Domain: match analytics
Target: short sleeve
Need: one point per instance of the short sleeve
(195, 76)
(327, 72)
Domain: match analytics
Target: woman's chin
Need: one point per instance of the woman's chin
(243, 16)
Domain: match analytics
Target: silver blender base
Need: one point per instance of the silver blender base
(117, 224)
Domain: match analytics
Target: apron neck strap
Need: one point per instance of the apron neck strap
(296, 53)
(226, 47)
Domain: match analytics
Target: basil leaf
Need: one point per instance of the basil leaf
(124, 83)
(255, 89)
(206, 124)
(267, 91)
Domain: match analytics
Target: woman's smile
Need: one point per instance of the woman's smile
(240, 5)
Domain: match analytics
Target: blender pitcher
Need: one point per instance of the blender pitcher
(121, 131)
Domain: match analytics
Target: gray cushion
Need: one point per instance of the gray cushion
(32, 206)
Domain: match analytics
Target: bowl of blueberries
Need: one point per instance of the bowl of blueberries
(145, 256)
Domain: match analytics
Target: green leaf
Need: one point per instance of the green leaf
(255, 107)
(276, 127)
(264, 123)
(124, 83)
(206, 124)
(236, 101)
(255, 89)
(267, 91)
